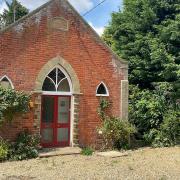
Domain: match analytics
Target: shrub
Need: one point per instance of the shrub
(116, 132)
(169, 132)
(87, 151)
(150, 136)
(4, 150)
(147, 108)
(156, 115)
(12, 103)
(25, 147)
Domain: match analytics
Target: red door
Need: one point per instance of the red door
(55, 121)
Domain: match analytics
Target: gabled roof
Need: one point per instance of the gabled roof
(81, 18)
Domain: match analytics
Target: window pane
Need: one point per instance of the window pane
(48, 85)
(5, 83)
(52, 75)
(47, 135)
(60, 75)
(64, 86)
(101, 89)
(63, 109)
(63, 134)
(48, 109)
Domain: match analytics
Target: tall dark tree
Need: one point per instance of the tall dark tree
(146, 33)
(14, 12)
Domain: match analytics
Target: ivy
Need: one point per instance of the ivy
(103, 106)
(12, 103)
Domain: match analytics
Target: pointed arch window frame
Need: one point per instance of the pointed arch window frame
(9, 80)
(66, 77)
(107, 91)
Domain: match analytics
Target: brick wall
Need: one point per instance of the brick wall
(28, 45)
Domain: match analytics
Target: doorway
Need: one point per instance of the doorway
(55, 121)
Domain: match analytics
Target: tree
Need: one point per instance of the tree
(146, 33)
(14, 12)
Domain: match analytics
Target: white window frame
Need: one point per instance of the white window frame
(56, 92)
(107, 91)
(5, 76)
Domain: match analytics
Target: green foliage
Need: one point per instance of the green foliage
(87, 151)
(169, 131)
(146, 33)
(12, 103)
(4, 150)
(103, 106)
(115, 132)
(147, 107)
(7, 17)
(155, 115)
(25, 147)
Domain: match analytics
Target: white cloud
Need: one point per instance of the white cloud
(99, 30)
(82, 5)
(2, 7)
(32, 4)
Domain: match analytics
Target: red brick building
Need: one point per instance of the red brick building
(56, 56)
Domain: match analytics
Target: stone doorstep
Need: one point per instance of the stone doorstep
(112, 154)
(50, 152)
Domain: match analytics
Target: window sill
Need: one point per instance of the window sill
(103, 95)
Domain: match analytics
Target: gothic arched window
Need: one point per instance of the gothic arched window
(6, 83)
(102, 90)
(56, 81)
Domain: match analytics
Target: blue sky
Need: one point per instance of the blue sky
(98, 18)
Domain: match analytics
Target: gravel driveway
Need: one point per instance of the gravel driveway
(146, 164)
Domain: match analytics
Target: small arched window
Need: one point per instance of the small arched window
(6, 83)
(56, 81)
(102, 90)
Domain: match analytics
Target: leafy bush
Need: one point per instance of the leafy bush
(12, 103)
(147, 108)
(155, 114)
(25, 147)
(4, 150)
(87, 151)
(169, 132)
(115, 131)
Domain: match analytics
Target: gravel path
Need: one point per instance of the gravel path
(143, 164)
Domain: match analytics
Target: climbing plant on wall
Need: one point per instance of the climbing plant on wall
(12, 103)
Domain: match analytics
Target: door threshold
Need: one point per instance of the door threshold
(64, 151)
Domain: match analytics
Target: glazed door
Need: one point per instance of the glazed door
(48, 120)
(55, 121)
(63, 121)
